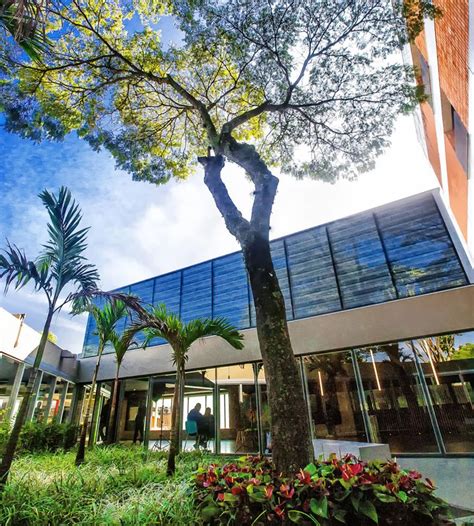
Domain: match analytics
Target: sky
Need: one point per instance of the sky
(139, 230)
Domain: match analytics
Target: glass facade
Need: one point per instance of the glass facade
(393, 252)
(416, 396)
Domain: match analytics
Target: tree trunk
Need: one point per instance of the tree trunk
(175, 422)
(14, 437)
(291, 444)
(81, 451)
(113, 409)
(291, 440)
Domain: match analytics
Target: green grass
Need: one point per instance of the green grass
(116, 486)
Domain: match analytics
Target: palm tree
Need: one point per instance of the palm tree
(158, 322)
(106, 319)
(25, 21)
(60, 266)
(121, 344)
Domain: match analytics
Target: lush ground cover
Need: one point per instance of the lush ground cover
(119, 486)
(115, 486)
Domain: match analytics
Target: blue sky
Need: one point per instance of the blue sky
(138, 230)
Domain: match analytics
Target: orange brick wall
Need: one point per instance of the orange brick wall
(452, 36)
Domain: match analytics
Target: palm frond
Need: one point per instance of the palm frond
(122, 344)
(106, 318)
(25, 21)
(16, 267)
(83, 300)
(200, 328)
(67, 242)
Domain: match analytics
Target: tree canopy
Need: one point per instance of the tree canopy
(314, 85)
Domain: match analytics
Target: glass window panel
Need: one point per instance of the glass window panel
(362, 270)
(231, 299)
(239, 414)
(132, 410)
(8, 369)
(334, 404)
(419, 249)
(313, 282)
(199, 406)
(279, 262)
(167, 292)
(196, 294)
(398, 413)
(448, 367)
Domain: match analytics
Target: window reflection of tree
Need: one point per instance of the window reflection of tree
(329, 374)
(396, 407)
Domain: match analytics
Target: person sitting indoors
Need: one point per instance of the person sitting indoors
(207, 426)
(196, 416)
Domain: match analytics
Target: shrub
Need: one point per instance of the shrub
(334, 492)
(40, 436)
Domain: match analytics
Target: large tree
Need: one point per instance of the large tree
(310, 86)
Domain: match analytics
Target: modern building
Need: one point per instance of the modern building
(444, 56)
(381, 317)
(54, 385)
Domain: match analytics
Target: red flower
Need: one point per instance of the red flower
(430, 484)
(414, 474)
(236, 490)
(287, 491)
(220, 497)
(254, 481)
(304, 477)
(279, 511)
(269, 491)
(405, 482)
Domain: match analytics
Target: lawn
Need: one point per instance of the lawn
(119, 486)
(115, 486)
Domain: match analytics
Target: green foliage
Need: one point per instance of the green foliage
(322, 75)
(61, 262)
(40, 437)
(327, 493)
(115, 487)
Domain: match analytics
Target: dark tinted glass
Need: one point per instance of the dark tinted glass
(313, 281)
(196, 301)
(419, 249)
(361, 267)
(230, 290)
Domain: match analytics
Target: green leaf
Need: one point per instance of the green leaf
(209, 512)
(296, 516)
(385, 497)
(355, 502)
(402, 496)
(311, 469)
(368, 509)
(319, 507)
(340, 515)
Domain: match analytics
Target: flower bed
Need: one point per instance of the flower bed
(334, 492)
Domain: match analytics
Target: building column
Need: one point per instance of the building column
(15, 390)
(49, 401)
(149, 403)
(34, 397)
(430, 37)
(62, 402)
(470, 168)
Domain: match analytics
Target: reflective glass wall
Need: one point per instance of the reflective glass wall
(416, 396)
(399, 250)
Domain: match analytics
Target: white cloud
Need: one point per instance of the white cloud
(139, 231)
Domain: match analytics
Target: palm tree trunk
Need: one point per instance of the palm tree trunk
(81, 451)
(175, 421)
(113, 409)
(14, 437)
